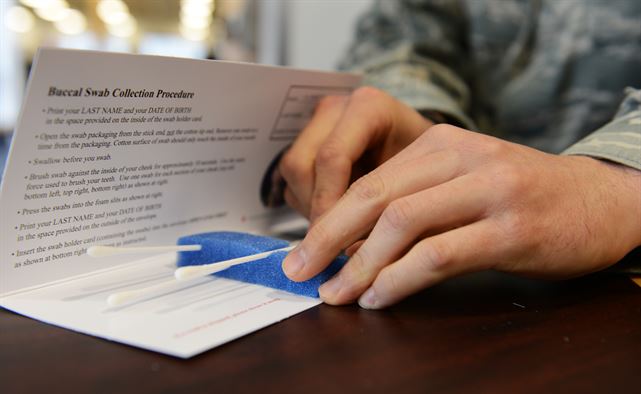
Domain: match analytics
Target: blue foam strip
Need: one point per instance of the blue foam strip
(225, 245)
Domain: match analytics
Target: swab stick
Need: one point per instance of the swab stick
(197, 271)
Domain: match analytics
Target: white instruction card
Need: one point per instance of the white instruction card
(135, 150)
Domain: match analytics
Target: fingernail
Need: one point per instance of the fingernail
(330, 289)
(293, 264)
(369, 299)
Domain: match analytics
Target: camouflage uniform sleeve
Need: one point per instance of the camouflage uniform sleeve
(415, 50)
(618, 141)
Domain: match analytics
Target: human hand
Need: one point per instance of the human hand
(455, 201)
(346, 138)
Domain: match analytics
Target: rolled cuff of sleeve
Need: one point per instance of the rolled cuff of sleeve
(419, 94)
(412, 80)
(618, 141)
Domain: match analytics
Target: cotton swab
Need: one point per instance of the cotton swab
(124, 297)
(197, 271)
(104, 251)
(187, 273)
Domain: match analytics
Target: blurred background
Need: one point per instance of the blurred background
(301, 33)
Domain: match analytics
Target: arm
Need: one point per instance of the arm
(454, 201)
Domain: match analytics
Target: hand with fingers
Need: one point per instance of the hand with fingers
(453, 201)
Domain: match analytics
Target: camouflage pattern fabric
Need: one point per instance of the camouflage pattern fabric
(551, 74)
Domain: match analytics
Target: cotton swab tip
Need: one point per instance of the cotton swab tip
(100, 251)
(128, 296)
(118, 299)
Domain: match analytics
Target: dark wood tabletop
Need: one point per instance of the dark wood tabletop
(484, 332)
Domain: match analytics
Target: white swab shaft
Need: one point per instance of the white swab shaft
(196, 271)
(104, 251)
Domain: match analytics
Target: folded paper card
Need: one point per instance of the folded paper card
(132, 150)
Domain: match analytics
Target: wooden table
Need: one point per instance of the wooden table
(485, 332)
